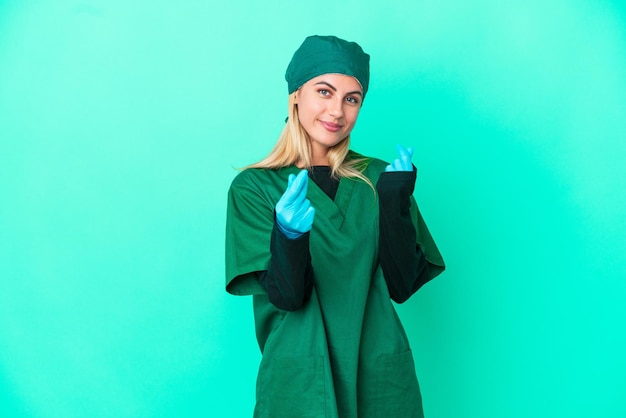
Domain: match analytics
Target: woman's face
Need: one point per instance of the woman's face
(328, 106)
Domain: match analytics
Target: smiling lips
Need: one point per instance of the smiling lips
(329, 126)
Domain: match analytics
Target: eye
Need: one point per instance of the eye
(324, 92)
(352, 100)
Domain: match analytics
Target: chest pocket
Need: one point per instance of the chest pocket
(297, 388)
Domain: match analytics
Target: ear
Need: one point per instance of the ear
(295, 97)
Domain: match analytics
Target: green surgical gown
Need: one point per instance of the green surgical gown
(344, 354)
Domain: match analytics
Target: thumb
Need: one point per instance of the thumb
(402, 151)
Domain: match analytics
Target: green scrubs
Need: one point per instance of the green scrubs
(344, 353)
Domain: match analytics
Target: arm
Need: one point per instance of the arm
(402, 261)
(289, 278)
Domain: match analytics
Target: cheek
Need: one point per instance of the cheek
(308, 109)
(352, 115)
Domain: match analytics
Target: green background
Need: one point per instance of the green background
(122, 123)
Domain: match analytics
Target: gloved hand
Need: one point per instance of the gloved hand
(404, 162)
(294, 213)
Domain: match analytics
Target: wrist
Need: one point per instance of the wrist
(396, 183)
(286, 231)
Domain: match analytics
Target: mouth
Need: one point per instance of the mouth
(331, 127)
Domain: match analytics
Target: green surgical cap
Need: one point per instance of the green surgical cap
(327, 55)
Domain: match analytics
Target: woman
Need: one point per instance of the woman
(325, 238)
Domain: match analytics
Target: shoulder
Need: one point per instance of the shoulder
(372, 167)
(248, 176)
(263, 183)
(253, 177)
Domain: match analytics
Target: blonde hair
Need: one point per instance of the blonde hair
(294, 147)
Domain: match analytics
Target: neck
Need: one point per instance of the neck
(319, 155)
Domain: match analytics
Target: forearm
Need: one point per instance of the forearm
(402, 261)
(288, 280)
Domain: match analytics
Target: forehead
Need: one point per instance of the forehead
(338, 81)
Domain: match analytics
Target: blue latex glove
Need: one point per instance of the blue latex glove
(294, 213)
(404, 162)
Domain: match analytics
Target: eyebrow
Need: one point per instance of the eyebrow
(335, 89)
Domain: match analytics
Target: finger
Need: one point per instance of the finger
(397, 165)
(307, 218)
(295, 184)
(299, 188)
(405, 156)
(291, 193)
(290, 180)
(405, 150)
(303, 217)
(389, 168)
(401, 150)
(310, 215)
(303, 207)
(406, 162)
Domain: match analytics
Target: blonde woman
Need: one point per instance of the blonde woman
(324, 239)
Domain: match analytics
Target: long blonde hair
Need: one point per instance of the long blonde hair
(294, 147)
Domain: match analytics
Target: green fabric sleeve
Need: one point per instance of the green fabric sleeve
(427, 244)
(249, 223)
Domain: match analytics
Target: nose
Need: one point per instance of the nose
(335, 108)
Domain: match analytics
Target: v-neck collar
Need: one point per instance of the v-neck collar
(335, 210)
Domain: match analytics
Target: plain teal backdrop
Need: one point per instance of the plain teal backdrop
(122, 123)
